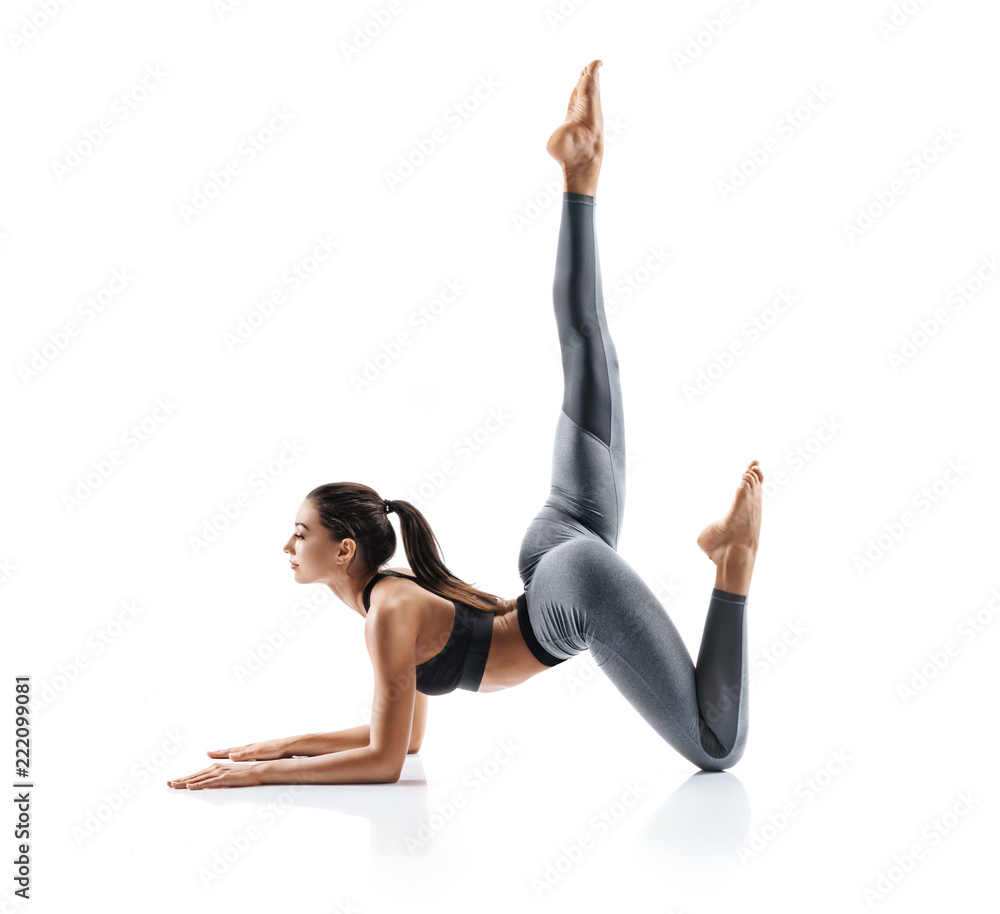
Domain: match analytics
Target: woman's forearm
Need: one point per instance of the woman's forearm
(325, 743)
(354, 766)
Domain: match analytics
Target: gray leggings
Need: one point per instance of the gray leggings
(580, 594)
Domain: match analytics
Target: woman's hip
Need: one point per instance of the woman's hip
(569, 582)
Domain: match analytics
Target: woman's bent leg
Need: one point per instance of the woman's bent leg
(587, 493)
(589, 597)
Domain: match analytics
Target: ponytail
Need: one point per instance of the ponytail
(423, 555)
(350, 509)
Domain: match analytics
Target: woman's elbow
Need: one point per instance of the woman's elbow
(385, 773)
(390, 769)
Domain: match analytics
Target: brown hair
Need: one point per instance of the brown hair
(350, 509)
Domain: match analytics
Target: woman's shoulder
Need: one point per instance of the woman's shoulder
(394, 588)
(504, 606)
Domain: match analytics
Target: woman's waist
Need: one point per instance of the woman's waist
(510, 661)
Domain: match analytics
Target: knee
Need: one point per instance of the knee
(708, 762)
(718, 764)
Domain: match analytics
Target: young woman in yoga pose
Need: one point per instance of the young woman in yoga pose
(428, 632)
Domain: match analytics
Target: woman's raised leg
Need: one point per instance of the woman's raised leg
(580, 594)
(587, 493)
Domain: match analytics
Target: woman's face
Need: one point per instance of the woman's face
(310, 550)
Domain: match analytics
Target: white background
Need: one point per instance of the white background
(843, 772)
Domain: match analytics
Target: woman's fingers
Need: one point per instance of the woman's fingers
(183, 782)
(243, 753)
(220, 753)
(221, 774)
(225, 753)
(201, 782)
(252, 752)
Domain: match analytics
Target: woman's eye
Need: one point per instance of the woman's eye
(299, 536)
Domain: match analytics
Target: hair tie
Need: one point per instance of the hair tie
(388, 506)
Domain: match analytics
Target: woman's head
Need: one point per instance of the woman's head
(344, 527)
(340, 527)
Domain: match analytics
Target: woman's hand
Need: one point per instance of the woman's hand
(269, 748)
(220, 774)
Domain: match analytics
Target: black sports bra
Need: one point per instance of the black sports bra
(461, 662)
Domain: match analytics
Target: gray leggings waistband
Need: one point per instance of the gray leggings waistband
(528, 633)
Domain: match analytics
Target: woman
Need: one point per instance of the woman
(428, 632)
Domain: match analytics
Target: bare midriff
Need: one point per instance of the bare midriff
(509, 662)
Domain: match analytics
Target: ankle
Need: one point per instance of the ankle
(582, 179)
(580, 186)
(734, 570)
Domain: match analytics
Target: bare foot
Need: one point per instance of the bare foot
(578, 143)
(731, 543)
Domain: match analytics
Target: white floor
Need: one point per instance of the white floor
(579, 809)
